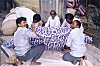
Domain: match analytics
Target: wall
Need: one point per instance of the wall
(32, 4)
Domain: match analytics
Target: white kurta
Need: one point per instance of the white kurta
(53, 22)
(76, 43)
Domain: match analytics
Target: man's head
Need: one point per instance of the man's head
(21, 22)
(53, 14)
(36, 18)
(69, 17)
(76, 24)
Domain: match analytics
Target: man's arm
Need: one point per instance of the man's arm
(69, 40)
(48, 22)
(32, 33)
(33, 27)
(63, 24)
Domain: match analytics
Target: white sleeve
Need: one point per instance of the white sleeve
(82, 28)
(31, 34)
(48, 22)
(64, 23)
(57, 22)
(69, 41)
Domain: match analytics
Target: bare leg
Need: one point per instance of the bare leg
(81, 62)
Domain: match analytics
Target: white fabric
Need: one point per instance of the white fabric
(53, 22)
(10, 17)
(71, 10)
(36, 24)
(25, 12)
(76, 42)
(9, 27)
(21, 40)
(66, 24)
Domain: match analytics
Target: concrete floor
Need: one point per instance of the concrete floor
(50, 56)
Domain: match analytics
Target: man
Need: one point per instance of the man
(24, 50)
(53, 20)
(68, 20)
(76, 43)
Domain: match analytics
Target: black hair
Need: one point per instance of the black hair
(19, 20)
(53, 11)
(78, 23)
(36, 18)
(69, 16)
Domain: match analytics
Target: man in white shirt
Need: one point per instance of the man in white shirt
(24, 50)
(53, 20)
(76, 43)
(68, 20)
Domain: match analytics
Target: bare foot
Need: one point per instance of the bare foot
(35, 63)
(81, 62)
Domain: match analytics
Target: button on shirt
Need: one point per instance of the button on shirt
(76, 43)
(53, 22)
(21, 40)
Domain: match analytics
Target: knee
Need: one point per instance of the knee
(42, 47)
(64, 57)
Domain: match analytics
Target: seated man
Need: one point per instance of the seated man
(68, 19)
(53, 20)
(76, 43)
(24, 50)
(37, 20)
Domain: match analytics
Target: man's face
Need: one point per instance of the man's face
(69, 21)
(74, 24)
(53, 15)
(23, 24)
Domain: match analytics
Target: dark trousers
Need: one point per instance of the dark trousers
(68, 57)
(34, 53)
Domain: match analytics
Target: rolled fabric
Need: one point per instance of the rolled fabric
(9, 27)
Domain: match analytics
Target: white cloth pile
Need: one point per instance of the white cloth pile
(9, 23)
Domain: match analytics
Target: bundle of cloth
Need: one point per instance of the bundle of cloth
(54, 38)
(9, 23)
(73, 6)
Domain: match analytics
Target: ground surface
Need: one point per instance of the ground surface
(53, 57)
